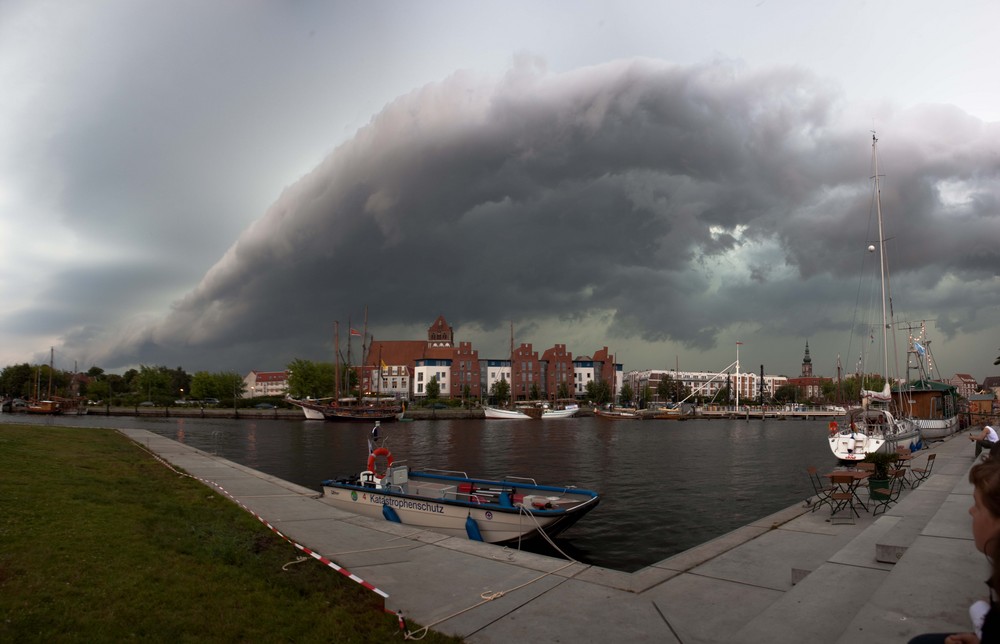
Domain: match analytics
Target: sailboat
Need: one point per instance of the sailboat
(875, 425)
(350, 409)
(512, 413)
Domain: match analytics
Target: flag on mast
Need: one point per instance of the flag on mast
(356, 332)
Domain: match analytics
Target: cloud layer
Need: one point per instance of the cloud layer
(637, 201)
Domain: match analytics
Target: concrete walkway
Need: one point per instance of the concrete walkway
(792, 576)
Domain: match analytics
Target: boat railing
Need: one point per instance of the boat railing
(447, 472)
(525, 479)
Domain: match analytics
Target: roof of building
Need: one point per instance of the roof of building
(396, 352)
(270, 376)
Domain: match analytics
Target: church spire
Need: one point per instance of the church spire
(807, 368)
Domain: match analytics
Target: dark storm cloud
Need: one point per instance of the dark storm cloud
(682, 200)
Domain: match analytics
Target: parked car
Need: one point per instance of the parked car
(263, 406)
(147, 403)
(210, 401)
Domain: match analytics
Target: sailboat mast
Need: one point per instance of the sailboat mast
(52, 364)
(881, 259)
(364, 353)
(512, 364)
(336, 361)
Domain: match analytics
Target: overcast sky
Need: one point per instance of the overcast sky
(211, 185)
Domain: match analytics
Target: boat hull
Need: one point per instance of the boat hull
(870, 430)
(616, 415)
(437, 503)
(311, 411)
(496, 413)
(569, 412)
(938, 428)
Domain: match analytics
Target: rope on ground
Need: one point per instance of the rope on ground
(489, 596)
(298, 560)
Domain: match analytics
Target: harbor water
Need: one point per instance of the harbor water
(666, 486)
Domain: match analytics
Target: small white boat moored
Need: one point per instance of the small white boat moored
(509, 510)
(499, 413)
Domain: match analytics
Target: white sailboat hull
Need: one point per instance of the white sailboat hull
(569, 412)
(938, 428)
(505, 414)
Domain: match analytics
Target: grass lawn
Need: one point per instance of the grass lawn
(99, 542)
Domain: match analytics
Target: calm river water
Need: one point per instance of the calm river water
(666, 485)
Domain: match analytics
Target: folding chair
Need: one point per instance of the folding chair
(920, 474)
(904, 460)
(843, 496)
(890, 494)
(820, 490)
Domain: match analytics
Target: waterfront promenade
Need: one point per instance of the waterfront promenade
(791, 576)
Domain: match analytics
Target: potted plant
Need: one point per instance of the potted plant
(883, 462)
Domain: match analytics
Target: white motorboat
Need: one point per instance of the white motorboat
(494, 511)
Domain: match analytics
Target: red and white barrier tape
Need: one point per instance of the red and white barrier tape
(314, 555)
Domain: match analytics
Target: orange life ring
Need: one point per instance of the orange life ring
(834, 428)
(381, 451)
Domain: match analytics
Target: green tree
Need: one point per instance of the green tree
(598, 392)
(203, 386)
(500, 391)
(129, 381)
(786, 393)
(563, 390)
(232, 384)
(626, 396)
(308, 379)
(17, 380)
(99, 390)
(672, 390)
(433, 389)
(152, 382)
(534, 394)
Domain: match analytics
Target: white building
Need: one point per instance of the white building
(705, 384)
(265, 383)
(427, 369)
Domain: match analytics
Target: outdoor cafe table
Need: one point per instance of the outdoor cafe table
(857, 476)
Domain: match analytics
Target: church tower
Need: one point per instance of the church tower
(807, 367)
(440, 334)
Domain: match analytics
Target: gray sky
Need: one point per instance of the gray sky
(211, 185)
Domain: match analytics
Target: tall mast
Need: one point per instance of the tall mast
(881, 260)
(336, 361)
(364, 352)
(512, 363)
(52, 362)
